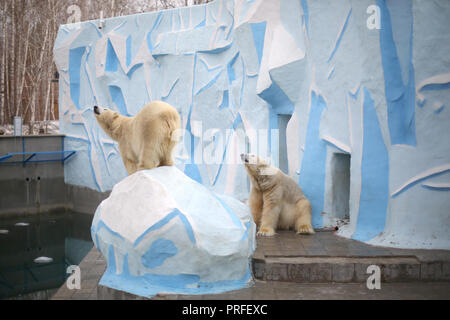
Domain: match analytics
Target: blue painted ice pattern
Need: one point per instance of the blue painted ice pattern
(75, 57)
(160, 250)
(400, 97)
(375, 173)
(118, 99)
(112, 62)
(259, 32)
(312, 174)
(340, 35)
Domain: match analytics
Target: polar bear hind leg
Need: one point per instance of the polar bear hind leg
(167, 154)
(166, 161)
(130, 166)
(149, 157)
(303, 220)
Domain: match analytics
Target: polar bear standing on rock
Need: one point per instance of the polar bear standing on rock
(146, 140)
(276, 201)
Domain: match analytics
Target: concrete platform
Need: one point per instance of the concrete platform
(326, 257)
(322, 266)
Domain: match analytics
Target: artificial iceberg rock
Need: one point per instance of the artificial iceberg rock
(161, 231)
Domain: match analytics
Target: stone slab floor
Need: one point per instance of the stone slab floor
(288, 244)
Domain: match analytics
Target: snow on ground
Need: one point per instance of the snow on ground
(40, 128)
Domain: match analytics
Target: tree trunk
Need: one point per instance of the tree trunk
(24, 68)
(3, 70)
(32, 104)
(12, 95)
(8, 112)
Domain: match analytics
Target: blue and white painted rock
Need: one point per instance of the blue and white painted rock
(161, 231)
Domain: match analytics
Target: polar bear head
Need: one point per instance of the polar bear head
(110, 121)
(257, 166)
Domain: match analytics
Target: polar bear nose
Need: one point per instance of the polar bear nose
(96, 110)
(244, 157)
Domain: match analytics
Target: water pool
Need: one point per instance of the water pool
(36, 249)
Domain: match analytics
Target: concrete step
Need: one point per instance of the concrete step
(346, 269)
(326, 258)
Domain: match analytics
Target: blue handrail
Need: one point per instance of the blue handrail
(25, 157)
(28, 157)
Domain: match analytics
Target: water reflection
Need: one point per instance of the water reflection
(62, 237)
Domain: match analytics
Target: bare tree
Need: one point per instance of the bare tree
(3, 70)
(28, 32)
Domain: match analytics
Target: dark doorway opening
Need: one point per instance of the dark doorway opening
(283, 120)
(340, 184)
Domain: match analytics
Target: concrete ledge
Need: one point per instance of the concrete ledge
(344, 260)
(348, 269)
(326, 257)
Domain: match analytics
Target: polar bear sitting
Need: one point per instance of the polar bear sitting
(146, 140)
(276, 201)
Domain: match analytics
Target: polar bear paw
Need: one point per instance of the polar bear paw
(266, 232)
(305, 229)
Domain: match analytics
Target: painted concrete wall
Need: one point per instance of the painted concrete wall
(369, 79)
(40, 186)
(37, 186)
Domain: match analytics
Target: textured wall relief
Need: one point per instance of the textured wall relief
(236, 69)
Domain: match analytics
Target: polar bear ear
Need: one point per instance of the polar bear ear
(115, 115)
